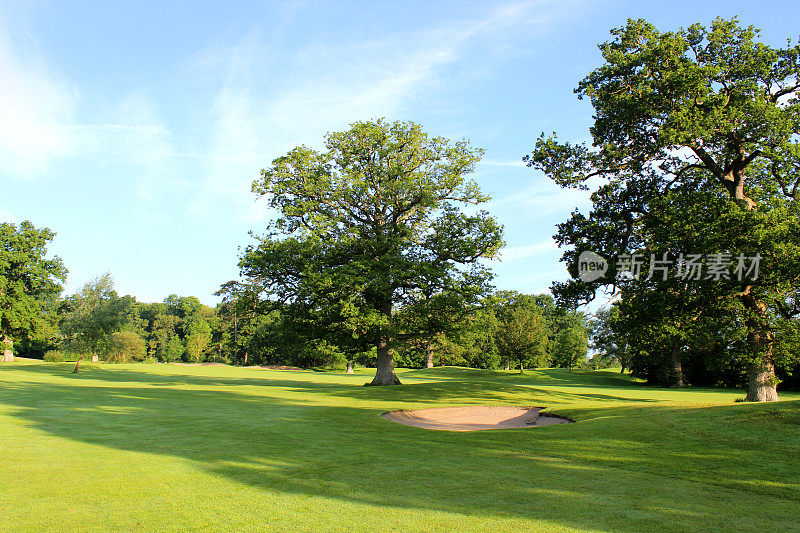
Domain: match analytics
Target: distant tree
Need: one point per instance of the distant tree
(570, 347)
(91, 315)
(198, 339)
(522, 333)
(606, 344)
(426, 320)
(165, 343)
(29, 282)
(173, 350)
(366, 223)
(478, 337)
(126, 346)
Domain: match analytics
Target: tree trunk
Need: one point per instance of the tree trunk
(349, 367)
(78, 364)
(677, 367)
(761, 384)
(508, 366)
(384, 373)
(429, 352)
(521, 368)
(8, 349)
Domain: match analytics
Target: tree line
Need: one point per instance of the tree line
(506, 329)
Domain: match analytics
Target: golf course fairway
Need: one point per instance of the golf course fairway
(162, 447)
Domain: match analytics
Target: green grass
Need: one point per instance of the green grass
(161, 447)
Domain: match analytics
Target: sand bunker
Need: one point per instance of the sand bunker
(475, 418)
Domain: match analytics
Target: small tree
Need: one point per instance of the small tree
(570, 347)
(29, 282)
(126, 346)
(90, 316)
(198, 338)
(165, 341)
(522, 334)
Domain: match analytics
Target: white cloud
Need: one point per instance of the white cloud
(249, 103)
(33, 106)
(39, 123)
(502, 163)
(544, 198)
(528, 250)
(274, 99)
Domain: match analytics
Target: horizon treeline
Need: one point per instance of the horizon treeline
(99, 324)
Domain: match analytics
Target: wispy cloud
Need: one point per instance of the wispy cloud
(263, 109)
(250, 102)
(502, 163)
(529, 250)
(544, 198)
(34, 104)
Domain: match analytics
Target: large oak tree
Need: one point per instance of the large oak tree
(710, 108)
(29, 281)
(368, 225)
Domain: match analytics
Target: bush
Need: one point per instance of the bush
(60, 356)
(125, 346)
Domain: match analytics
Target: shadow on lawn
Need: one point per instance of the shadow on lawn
(606, 473)
(453, 385)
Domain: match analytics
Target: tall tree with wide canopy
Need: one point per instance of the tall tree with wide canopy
(368, 224)
(709, 103)
(29, 280)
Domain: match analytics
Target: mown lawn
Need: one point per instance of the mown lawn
(161, 447)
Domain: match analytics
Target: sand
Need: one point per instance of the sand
(475, 418)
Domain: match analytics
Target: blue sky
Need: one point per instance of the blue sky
(134, 129)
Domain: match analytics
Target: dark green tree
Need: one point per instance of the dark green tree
(709, 105)
(609, 348)
(369, 222)
(29, 282)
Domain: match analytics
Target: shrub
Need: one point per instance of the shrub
(60, 356)
(125, 346)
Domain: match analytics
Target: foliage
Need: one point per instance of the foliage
(710, 113)
(60, 356)
(198, 338)
(29, 281)
(125, 347)
(522, 335)
(91, 315)
(569, 349)
(368, 225)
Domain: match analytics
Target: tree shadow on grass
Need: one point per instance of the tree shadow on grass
(455, 384)
(630, 470)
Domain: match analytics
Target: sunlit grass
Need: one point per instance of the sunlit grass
(161, 447)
